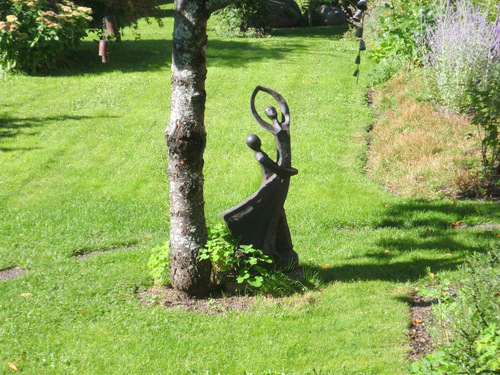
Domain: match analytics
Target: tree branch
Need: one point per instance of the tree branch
(214, 5)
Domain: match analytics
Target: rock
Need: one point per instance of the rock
(329, 15)
(284, 13)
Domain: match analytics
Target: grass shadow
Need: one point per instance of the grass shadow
(156, 54)
(439, 214)
(11, 127)
(405, 271)
(335, 32)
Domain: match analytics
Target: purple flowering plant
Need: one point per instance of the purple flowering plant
(462, 66)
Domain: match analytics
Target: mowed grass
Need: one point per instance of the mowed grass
(82, 168)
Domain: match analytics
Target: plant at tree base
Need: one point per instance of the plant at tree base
(158, 264)
(226, 255)
(243, 18)
(36, 34)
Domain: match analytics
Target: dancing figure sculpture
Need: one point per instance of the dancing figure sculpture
(260, 219)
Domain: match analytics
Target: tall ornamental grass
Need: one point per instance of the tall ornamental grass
(461, 52)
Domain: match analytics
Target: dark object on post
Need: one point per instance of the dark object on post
(103, 50)
(359, 32)
(362, 46)
(260, 220)
(358, 16)
(362, 5)
(111, 26)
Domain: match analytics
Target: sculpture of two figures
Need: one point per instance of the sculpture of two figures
(260, 220)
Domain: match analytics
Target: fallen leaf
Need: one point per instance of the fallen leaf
(386, 251)
(10, 155)
(416, 321)
(456, 223)
(100, 196)
(421, 176)
(26, 294)
(81, 313)
(21, 358)
(497, 294)
(447, 255)
(453, 202)
(12, 366)
(326, 266)
(21, 234)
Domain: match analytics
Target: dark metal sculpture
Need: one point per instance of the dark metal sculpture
(260, 220)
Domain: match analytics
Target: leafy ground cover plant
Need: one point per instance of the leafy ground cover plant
(226, 255)
(159, 263)
(36, 35)
(466, 324)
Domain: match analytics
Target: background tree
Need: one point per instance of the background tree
(186, 140)
(127, 12)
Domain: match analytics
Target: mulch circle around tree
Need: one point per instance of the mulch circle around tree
(212, 305)
(11, 273)
(421, 342)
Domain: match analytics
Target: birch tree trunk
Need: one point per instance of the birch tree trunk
(186, 139)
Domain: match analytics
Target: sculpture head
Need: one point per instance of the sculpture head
(253, 141)
(271, 113)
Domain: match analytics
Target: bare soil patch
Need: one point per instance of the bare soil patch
(11, 273)
(421, 342)
(82, 254)
(213, 305)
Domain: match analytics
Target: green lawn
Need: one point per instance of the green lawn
(82, 168)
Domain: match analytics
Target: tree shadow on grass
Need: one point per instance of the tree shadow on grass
(405, 271)
(333, 32)
(439, 214)
(155, 55)
(11, 127)
(439, 229)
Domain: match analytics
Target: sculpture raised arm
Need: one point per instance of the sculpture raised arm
(276, 126)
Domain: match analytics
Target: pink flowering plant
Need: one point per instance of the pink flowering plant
(37, 34)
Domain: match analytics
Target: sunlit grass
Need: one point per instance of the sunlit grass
(82, 168)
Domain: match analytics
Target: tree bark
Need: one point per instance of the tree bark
(186, 139)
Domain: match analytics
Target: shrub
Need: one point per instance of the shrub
(36, 34)
(243, 18)
(398, 25)
(485, 100)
